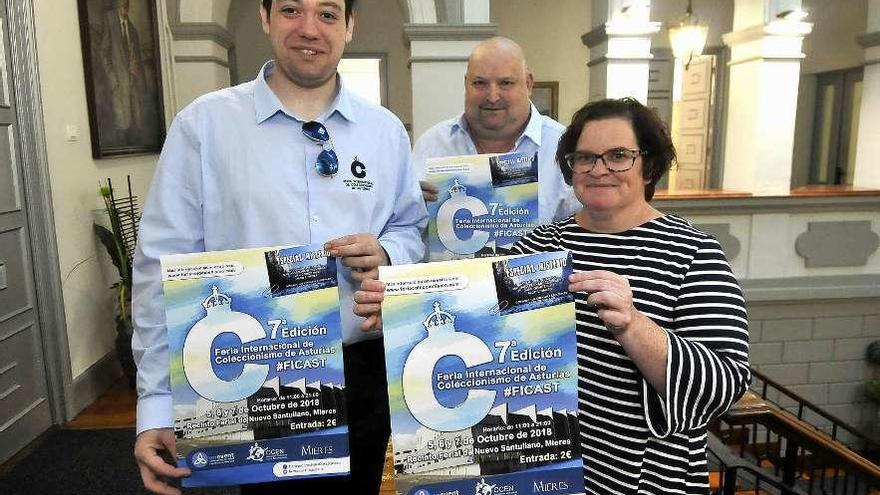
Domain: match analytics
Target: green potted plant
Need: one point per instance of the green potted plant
(119, 239)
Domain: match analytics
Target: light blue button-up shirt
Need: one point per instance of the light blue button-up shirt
(556, 200)
(237, 172)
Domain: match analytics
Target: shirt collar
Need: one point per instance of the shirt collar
(459, 125)
(533, 127)
(532, 131)
(267, 104)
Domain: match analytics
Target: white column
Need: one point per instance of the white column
(765, 59)
(620, 49)
(438, 60)
(867, 173)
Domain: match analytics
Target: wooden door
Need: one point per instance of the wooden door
(24, 406)
(693, 134)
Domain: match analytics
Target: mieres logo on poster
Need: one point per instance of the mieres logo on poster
(549, 486)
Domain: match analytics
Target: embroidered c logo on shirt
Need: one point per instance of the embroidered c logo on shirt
(358, 169)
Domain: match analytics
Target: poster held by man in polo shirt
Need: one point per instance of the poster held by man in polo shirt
(486, 203)
(482, 376)
(256, 364)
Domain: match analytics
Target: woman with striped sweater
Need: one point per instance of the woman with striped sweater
(662, 331)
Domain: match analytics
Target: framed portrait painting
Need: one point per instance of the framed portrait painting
(122, 73)
(545, 96)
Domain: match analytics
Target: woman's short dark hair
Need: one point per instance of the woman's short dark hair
(349, 5)
(651, 136)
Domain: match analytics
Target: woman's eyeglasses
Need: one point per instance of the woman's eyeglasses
(615, 160)
(327, 163)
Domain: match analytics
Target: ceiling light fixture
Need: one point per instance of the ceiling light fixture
(688, 38)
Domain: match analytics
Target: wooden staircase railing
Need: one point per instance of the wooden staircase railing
(791, 455)
(805, 410)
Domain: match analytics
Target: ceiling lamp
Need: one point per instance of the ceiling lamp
(688, 38)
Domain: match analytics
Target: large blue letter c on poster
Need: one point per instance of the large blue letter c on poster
(197, 364)
(447, 231)
(418, 393)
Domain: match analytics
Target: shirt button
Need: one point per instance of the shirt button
(315, 218)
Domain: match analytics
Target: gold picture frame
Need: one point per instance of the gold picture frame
(123, 77)
(545, 96)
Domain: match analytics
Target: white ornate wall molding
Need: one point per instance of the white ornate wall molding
(778, 40)
(820, 246)
(788, 237)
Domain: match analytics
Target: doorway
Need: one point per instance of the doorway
(835, 129)
(31, 357)
(691, 128)
(690, 98)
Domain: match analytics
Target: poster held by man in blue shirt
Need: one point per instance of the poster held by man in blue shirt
(290, 158)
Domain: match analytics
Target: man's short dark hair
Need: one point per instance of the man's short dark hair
(349, 7)
(651, 136)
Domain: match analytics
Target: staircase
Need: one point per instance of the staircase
(759, 447)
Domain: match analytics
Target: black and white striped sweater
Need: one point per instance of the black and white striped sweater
(632, 440)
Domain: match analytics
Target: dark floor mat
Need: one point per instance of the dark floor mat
(82, 462)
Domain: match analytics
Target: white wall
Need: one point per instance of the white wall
(550, 34)
(832, 44)
(74, 177)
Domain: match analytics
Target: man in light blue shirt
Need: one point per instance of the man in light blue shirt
(290, 158)
(500, 118)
